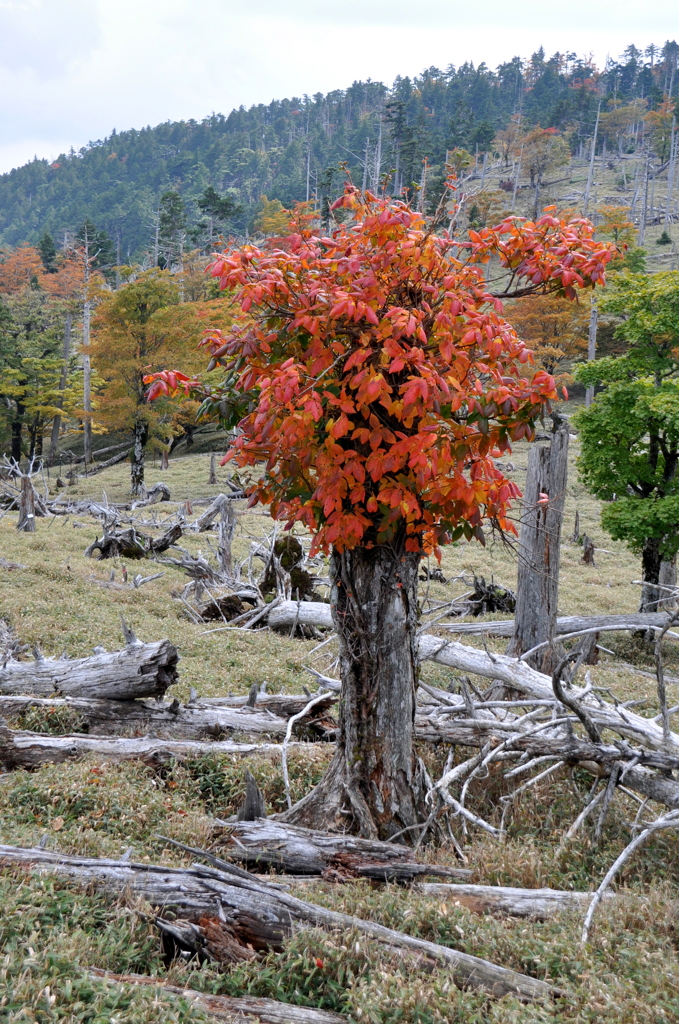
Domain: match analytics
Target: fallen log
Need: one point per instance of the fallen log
(262, 914)
(229, 1008)
(139, 670)
(516, 674)
(538, 904)
(23, 749)
(193, 721)
(264, 843)
(564, 624)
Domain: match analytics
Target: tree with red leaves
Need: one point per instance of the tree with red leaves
(373, 377)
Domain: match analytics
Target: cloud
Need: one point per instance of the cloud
(76, 69)
(45, 36)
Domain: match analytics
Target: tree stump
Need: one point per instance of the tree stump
(539, 548)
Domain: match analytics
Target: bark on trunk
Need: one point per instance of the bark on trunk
(140, 670)
(374, 775)
(26, 520)
(539, 547)
(141, 433)
(651, 561)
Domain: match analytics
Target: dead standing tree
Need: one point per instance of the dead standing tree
(539, 548)
(29, 502)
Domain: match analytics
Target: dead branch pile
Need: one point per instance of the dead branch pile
(223, 913)
(131, 544)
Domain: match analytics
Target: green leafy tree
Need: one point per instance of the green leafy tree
(630, 434)
(31, 363)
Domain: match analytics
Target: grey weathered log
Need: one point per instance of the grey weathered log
(564, 624)
(131, 544)
(252, 903)
(23, 749)
(206, 520)
(229, 1008)
(265, 843)
(139, 670)
(539, 904)
(537, 588)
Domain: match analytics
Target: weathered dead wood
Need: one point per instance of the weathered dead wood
(196, 720)
(539, 545)
(131, 544)
(564, 624)
(139, 670)
(249, 903)
(539, 904)
(229, 1008)
(23, 749)
(265, 844)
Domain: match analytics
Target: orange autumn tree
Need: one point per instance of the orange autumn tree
(374, 380)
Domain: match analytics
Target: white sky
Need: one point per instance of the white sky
(72, 70)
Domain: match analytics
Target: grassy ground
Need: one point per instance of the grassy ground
(51, 931)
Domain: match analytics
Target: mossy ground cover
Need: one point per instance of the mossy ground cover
(52, 931)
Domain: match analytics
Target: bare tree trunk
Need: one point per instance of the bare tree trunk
(227, 528)
(212, 479)
(26, 505)
(591, 345)
(87, 368)
(141, 433)
(668, 578)
(539, 546)
(651, 562)
(56, 423)
(164, 461)
(374, 774)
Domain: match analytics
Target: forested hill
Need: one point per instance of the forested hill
(291, 149)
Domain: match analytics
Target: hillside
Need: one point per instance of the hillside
(291, 149)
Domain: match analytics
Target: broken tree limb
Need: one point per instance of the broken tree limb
(139, 670)
(229, 1008)
(266, 843)
(255, 909)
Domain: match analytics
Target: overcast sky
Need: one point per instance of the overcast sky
(72, 70)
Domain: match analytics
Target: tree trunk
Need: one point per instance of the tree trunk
(667, 579)
(26, 506)
(374, 774)
(227, 528)
(539, 548)
(651, 562)
(212, 478)
(56, 423)
(141, 433)
(164, 461)
(17, 425)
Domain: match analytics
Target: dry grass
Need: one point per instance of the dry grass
(66, 602)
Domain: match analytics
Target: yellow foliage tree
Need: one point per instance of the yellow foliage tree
(554, 329)
(273, 218)
(142, 328)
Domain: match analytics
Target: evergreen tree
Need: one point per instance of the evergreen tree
(48, 253)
